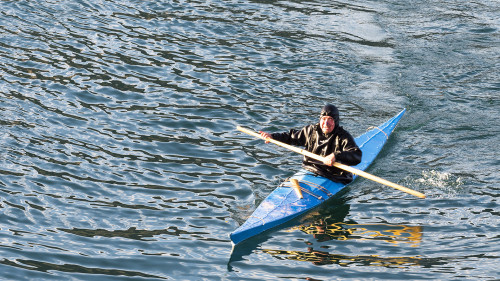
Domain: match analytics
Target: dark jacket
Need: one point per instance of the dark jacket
(339, 142)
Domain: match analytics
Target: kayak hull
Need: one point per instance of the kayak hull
(284, 203)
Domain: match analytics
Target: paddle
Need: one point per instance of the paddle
(335, 164)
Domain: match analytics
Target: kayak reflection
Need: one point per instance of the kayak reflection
(329, 229)
(325, 258)
(322, 231)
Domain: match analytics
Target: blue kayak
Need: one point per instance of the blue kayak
(284, 204)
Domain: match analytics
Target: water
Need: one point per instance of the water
(119, 157)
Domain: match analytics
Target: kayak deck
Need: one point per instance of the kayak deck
(283, 204)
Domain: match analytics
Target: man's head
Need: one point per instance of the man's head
(329, 118)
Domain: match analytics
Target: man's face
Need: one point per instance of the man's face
(327, 124)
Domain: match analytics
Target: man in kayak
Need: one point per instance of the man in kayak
(326, 139)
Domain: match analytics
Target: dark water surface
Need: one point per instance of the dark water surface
(119, 158)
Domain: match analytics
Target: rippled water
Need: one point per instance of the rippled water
(119, 156)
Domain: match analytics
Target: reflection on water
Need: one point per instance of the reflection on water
(395, 234)
(328, 227)
(132, 233)
(323, 258)
(73, 268)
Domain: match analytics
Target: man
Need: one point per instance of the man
(326, 139)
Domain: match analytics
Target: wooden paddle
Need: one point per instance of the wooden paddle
(335, 164)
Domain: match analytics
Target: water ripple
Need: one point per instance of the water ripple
(119, 156)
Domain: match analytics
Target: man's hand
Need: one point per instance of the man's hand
(266, 136)
(329, 160)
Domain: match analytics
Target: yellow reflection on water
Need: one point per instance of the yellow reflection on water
(324, 258)
(395, 234)
(387, 233)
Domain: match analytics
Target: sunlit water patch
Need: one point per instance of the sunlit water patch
(446, 182)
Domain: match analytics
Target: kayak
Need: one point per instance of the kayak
(286, 203)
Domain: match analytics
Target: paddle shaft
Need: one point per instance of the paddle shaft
(335, 164)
